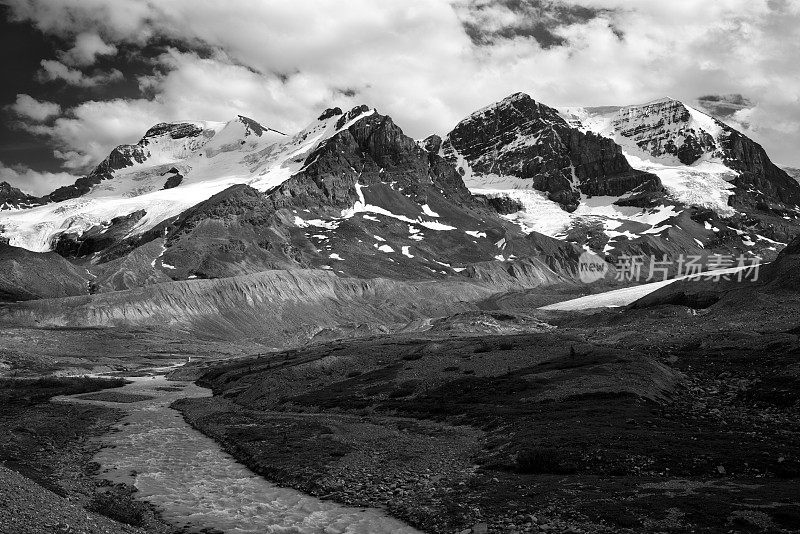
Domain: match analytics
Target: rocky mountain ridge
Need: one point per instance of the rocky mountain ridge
(350, 194)
(517, 189)
(689, 184)
(12, 198)
(521, 138)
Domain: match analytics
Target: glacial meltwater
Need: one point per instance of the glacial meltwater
(197, 486)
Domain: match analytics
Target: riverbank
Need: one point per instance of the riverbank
(197, 487)
(542, 432)
(47, 473)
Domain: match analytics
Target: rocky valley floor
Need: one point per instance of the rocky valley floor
(595, 427)
(658, 418)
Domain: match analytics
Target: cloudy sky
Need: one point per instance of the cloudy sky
(82, 76)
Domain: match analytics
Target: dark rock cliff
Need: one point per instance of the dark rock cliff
(522, 138)
(14, 198)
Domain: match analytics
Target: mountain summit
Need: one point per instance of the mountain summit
(519, 138)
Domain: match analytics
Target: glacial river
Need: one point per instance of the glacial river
(198, 486)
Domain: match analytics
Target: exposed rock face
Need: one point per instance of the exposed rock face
(373, 150)
(669, 129)
(784, 273)
(14, 198)
(502, 204)
(664, 127)
(432, 143)
(522, 138)
(174, 179)
(759, 178)
(330, 112)
(72, 245)
(174, 130)
(791, 171)
(26, 275)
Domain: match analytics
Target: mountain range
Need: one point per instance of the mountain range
(390, 324)
(507, 201)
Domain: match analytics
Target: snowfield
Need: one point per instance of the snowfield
(626, 295)
(225, 154)
(539, 214)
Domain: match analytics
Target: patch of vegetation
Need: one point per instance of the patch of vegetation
(118, 504)
(31, 391)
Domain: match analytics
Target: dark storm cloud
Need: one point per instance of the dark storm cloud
(724, 106)
(486, 22)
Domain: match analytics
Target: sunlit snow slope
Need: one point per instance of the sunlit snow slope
(211, 158)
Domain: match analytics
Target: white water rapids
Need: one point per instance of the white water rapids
(196, 485)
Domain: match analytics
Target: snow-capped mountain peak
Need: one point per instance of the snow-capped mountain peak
(548, 161)
(665, 130)
(173, 167)
(698, 158)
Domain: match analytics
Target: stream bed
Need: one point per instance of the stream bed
(195, 484)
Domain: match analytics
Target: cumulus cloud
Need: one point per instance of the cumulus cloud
(427, 63)
(29, 108)
(33, 182)
(86, 49)
(55, 70)
(87, 134)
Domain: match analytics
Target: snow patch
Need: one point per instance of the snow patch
(361, 206)
(428, 211)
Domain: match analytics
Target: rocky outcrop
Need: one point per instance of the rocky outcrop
(101, 237)
(665, 128)
(522, 138)
(14, 198)
(758, 177)
(173, 130)
(784, 273)
(174, 179)
(121, 157)
(432, 143)
(502, 204)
